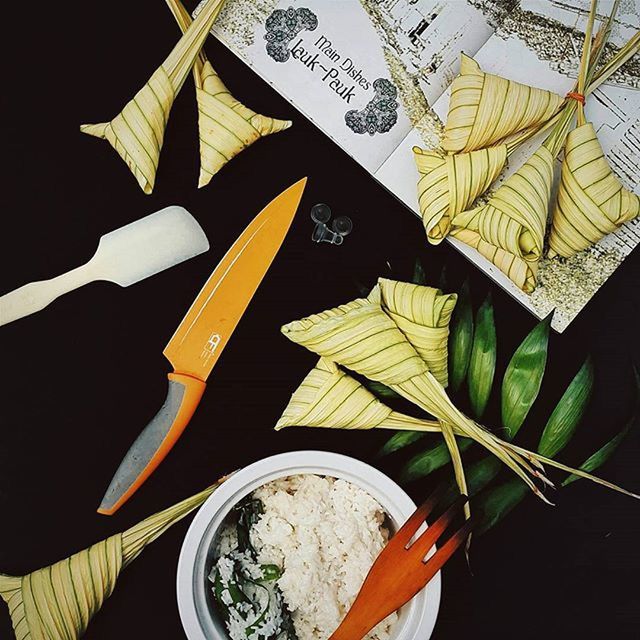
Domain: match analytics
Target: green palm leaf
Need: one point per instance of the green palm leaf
(523, 377)
(398, 441)
(460, 338)
(597, 459)
(434, 458)
(568, 413)
(482, 364)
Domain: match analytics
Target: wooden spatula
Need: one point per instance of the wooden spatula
(124, 256)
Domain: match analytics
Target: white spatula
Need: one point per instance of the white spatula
(124, 256)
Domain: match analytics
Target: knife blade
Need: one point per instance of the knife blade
(201, 337)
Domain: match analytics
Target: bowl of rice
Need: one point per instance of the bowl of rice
(281, 549)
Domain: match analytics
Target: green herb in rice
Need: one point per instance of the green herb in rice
(246, 591)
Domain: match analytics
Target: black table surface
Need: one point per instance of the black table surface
(81, 378)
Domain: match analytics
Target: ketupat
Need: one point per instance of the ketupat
(522, 273)
(423, 314)
(58, 602)
(509, 230)
(137, 132)
(362, 337)
(591, 201)
(329, 397)
(449, 184)
(485, 109)
(226, 125)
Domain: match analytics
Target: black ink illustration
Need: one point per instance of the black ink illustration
(380, 114)
(283, 25)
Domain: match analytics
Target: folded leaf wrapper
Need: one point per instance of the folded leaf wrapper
(58, 601)
(329, 397)
(137, 132)
(591, 201)
(423, 315)
(521, 273)
(509, 230)
(449, 184)
(485, 108)
(226, 125)
(362, 337)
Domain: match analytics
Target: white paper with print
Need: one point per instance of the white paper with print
(373, 76)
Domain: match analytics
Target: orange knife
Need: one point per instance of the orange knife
(201, 337)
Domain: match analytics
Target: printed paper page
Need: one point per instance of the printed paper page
(364, 71)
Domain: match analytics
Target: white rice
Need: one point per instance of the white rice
(325, 534)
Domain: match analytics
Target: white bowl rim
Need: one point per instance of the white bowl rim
(423, 609)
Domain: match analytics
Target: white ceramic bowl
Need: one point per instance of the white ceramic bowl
(199, 618)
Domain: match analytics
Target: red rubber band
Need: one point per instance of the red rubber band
(576, 96)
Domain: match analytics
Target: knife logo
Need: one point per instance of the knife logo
(210, 347)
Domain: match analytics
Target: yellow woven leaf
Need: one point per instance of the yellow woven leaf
(485, 108)
(137, 132)
(58, 601)
(522, 273)
(329, 397)
(226, 125)
(362, 337)
(509, 229)
(591, 201)
(423, 315)
(449, 184)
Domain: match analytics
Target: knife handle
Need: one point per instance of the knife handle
(155, 441)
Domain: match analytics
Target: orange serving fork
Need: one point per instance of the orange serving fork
(400, 572)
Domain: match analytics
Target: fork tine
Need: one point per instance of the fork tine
(442, 555)
(422, 545)
(398, 575)
(408, 530)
